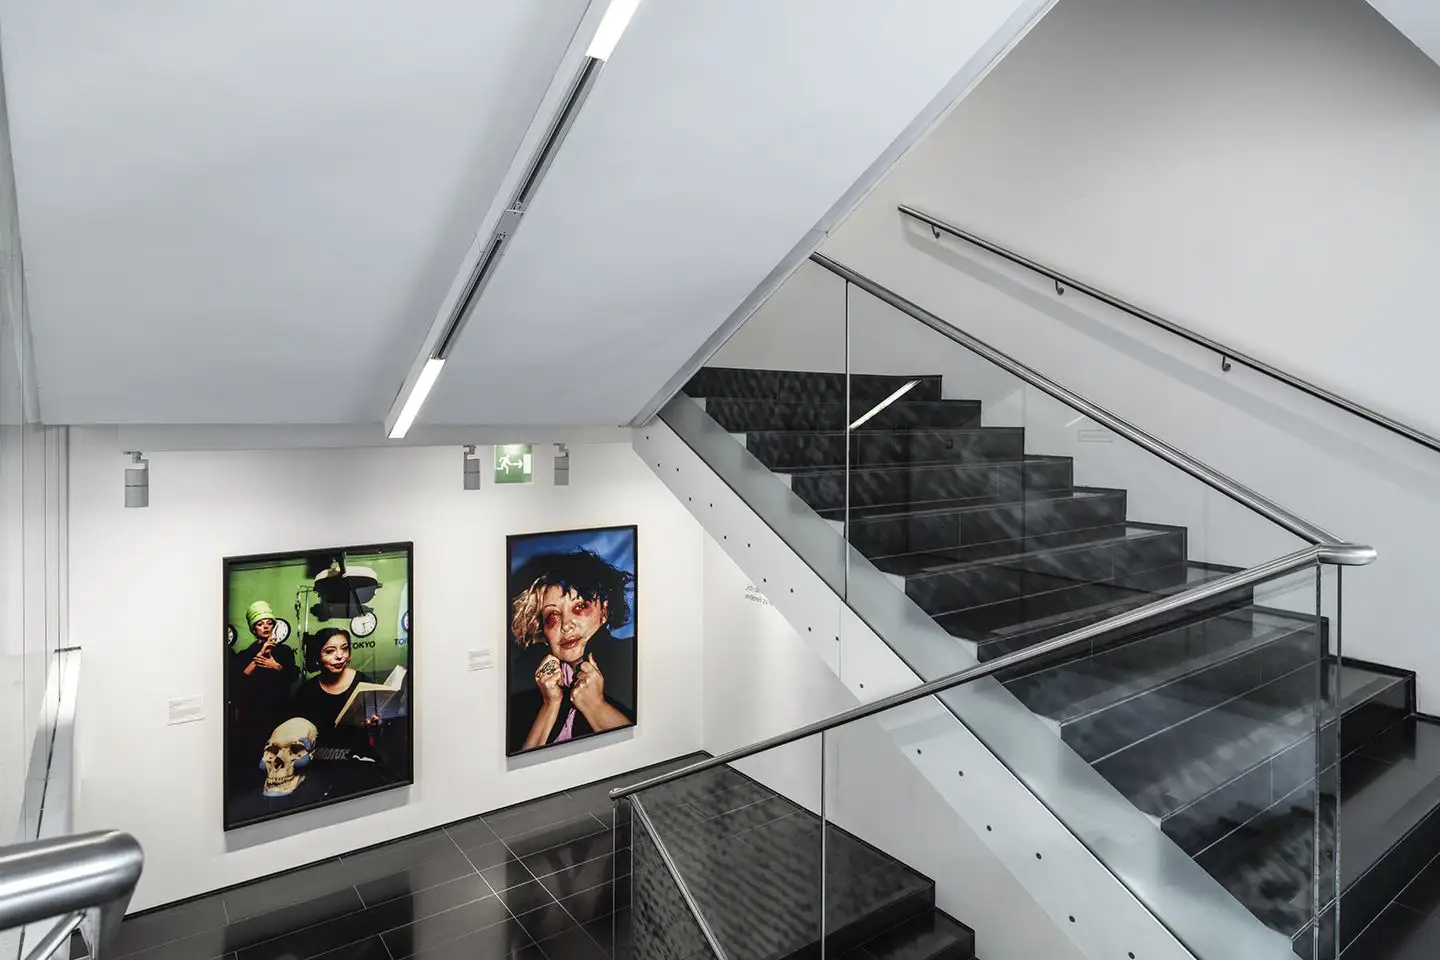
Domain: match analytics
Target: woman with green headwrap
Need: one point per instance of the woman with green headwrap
(262, 676)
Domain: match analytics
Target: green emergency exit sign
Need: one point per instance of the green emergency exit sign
(514, 463)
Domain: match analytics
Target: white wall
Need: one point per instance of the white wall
(753, 658)
(1262, 173)
(146, 588)
(1257, 172)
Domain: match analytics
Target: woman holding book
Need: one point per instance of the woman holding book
(322, 698)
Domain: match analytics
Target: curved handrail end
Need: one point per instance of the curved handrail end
(1346, 554)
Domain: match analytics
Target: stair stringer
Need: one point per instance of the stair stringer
(804, 572)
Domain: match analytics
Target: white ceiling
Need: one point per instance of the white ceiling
(717, 139)
(250, 212)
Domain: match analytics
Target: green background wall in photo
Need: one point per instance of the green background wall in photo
(278, 581)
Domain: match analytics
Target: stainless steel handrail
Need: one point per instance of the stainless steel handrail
(1176, 457)
(1227, 354)
(674, 871)
(88, 877)
(1345, 554)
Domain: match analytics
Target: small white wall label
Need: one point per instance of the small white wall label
(482, 659)
(187, 709)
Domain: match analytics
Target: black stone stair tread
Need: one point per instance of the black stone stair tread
(997, 554)
(903, 468)
(1074, 691)
(743, 383)
(751, 859)
(1396, 784)
(932, 935)
(1359, 683)
(920, 562)
(1211, 749)
(940, 508)
(1084, 602)
(921, 446)
(1104, 601)
(742, 416)
(1266, 862)
(1399, 933)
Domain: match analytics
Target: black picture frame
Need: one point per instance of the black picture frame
(519, 677)
(400, 772)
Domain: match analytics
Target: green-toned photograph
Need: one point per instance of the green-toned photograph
(318, 659)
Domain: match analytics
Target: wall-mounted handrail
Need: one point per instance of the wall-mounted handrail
(85, 875)
(1230, 487)
(1227, 354)
(1343, 554)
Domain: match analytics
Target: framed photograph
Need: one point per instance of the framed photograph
(319, 660)
(570, 636)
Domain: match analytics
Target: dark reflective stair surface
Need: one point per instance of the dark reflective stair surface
(1206, 722)
(752, 860)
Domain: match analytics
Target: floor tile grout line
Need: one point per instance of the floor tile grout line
(568, 794)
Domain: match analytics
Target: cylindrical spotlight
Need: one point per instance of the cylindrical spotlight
(562, 465)
(472, 468)
(137, 480)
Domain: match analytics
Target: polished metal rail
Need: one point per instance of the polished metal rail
(87, 878)
(680, 884)
(1343, 554)
(1176, 457)
(1227, 355)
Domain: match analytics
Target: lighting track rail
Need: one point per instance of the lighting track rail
(616, 18)
(509, 223)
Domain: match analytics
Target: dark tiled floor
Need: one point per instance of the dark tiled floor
(531, 882)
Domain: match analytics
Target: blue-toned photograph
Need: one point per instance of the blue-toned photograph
(571, 635)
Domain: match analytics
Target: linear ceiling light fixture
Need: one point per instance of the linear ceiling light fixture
(885, 403)
(616, 18)
(416, 400)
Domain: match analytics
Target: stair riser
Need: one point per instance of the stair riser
(746, 416)
(787, 450)
(1123, 724)
(1375, 716)
(850, 935)
(985, 624)
(864, 390)
(1276, 881)
(1368, 895)
(1006, 580)
(1061, 688)
(1107, 601)
(1251, 777)
(1001, 523)
(875, 487)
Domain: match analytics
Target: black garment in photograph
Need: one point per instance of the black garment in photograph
(616, 662)
(257, 704)
(322, 708)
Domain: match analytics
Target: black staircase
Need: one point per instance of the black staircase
(1205, 723)
(752, 861)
